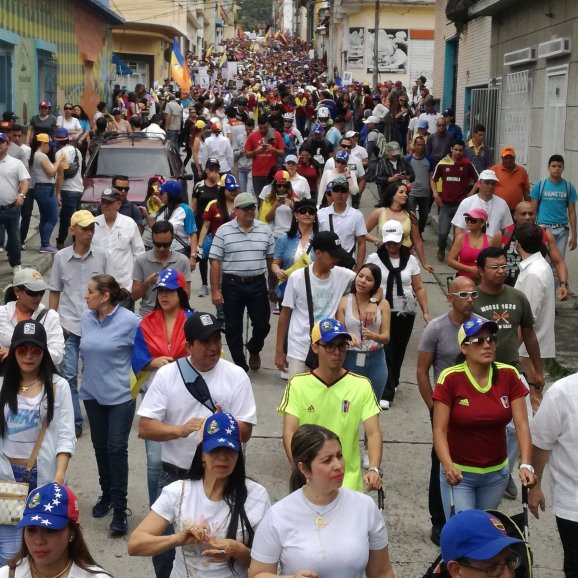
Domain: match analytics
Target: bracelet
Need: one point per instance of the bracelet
(529, 467)
(375, 470)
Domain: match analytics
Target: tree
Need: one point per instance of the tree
(255, 14)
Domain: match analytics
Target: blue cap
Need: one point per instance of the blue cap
(473, 326)
(474, 534)
(51, 506)
(61, 134)
(327, 330)
(3, 137)
(342, 156)
(229, 182)
(221, 430)
(423, 123)
(317, 128)
(170, 279)
(173, 188)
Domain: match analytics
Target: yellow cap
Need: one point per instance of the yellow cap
(82, 219)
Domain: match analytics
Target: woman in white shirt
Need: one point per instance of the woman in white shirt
(321, 528)
(215, 511)
(70, 123)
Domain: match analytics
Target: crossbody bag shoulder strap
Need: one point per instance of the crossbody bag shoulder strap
(195, 384)
(42, 315)
(309, 297)
(36, 449)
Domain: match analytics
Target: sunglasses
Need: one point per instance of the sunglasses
(466, 294)
(347, 147)
(341, 162)
(307, 211)
(31, 293)
(282, 185)
(473, 221)
(481, 340)
(125, 189)
(33, 350)
(68, 108)
(162, 245)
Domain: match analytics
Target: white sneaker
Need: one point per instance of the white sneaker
(203, 291)
(23, 247)
(364, 459)
(384, 404)
(1, 249)
(284, 375)
(17, 268)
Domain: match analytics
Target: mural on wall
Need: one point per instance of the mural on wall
(355, 52)
(392, 50)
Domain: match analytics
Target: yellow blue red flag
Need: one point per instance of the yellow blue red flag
(179, 68)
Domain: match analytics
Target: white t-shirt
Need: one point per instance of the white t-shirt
(197, 508)
(300, 186)
(328, 176)
(432, 120)
(354, 164)
(359, 152)
(555, 429)
(284, 214)
(72, 154)
(72, 125)
(169, 401)
(499, 216)
(411, 269)
(326, 295)
(288, 535)
(347, 225)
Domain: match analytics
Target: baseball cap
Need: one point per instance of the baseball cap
(29, 278)
(200, 124)
(82, 218)
(43, 137)
(6, 125)
(488, 175)
(244, 201)
(477, 214)
(339, 183)
(117, 110)
(229, 182)
(473, 326)
(170, 279)
(302, 203)
(221, 430)
(172, 188)
(422, 78)
(317, 128)
(110, 195)
(448, 112)
(4, 138)
(9, 115)
(327, 330)
(371, 119)
(291, 159)
(342, 156)
(212, 162)
(201, 326)
(61, 134)
(45, 104)
(282, 177)
(330, 242)
(351, 134)
(474, 534)
(392, 231)
(507, 152)
(423, 123)
(29, 331)
(393, 146)
(51, 506)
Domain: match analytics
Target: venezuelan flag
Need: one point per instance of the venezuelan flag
(223, 59)
(179, 69)
(209, 50)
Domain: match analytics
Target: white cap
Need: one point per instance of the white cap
(392, 231)
(372, 119)
(351, 134)
(488, 175)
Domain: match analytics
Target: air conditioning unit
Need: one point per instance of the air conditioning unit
(524, 56)
(555, 47)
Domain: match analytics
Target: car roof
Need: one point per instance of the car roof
(133, 143)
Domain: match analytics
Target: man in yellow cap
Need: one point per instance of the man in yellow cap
(72, 269)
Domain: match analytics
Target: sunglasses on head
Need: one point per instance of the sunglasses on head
(472, 220)
(125, 189)
(31, 293)
(307, 211)
(34, 350)
(162, 245)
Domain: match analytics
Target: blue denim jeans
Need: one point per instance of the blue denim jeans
(109, 430)
(245, 180)
(446, 214)
(173, 136)
(154, 469)
(10, 220)
(374, 368)
(11, 536)
(45, 196)
(70, 203)
(481, 491)
(69, 370)
(561, 235)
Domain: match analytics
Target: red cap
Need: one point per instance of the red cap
(44, 104)
(281, 177)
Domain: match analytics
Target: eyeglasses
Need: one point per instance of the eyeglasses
(466, 294)
(31, 293)
(473, 221)
(503, 267)
(68, 108)
(480, 340)
(162, 245)
(125, 189)
(307, 211)
(333, 347)
(512, 561)
(33, 350)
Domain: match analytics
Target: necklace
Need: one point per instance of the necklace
(66, 569)
(25, 388)
(321, 521)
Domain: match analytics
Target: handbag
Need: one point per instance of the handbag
(72, 169)
(312, 359)
(13, 494)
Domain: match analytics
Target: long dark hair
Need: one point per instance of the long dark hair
(294, 227)
(10, 294)
(11, 385)
(173, 201)
(183, 299)
(375, 272)
(306, 443)
(77, 552)
(108, 284)
(222, 204)
(34, 146)
(234, 495)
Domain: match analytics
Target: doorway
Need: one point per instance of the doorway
(6, 53)
(554, 129)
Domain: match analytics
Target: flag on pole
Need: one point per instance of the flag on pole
(209, 50)
(179, 68)
(223, 59)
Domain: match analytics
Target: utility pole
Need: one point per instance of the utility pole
(375, 47)
(331, 43)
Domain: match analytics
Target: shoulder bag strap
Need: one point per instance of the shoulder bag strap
(36, 449)
(309, 297)
(42, 315)
(195, 384)
(331, 222)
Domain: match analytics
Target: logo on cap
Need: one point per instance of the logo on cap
(206, 320)
(497, 524)
(213, 427)
(34, 500)
(29, 329)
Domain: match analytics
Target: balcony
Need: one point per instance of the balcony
(491, 7)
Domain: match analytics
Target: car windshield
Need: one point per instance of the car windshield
(132, 162)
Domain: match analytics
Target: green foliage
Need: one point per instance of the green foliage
(255, 14)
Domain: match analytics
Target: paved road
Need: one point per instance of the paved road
(407, 438)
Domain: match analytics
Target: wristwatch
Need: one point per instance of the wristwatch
(378, 471)
(373, 300)
(564, 283)
(528, 467)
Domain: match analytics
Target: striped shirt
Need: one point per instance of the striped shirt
(243, 254)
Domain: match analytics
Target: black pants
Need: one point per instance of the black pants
(252, 295)
(569, 535)
(434, 502)
(400, 332)
(204, 270)
(423, 204)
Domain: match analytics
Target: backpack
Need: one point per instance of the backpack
(290, 146)
(380, 144)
